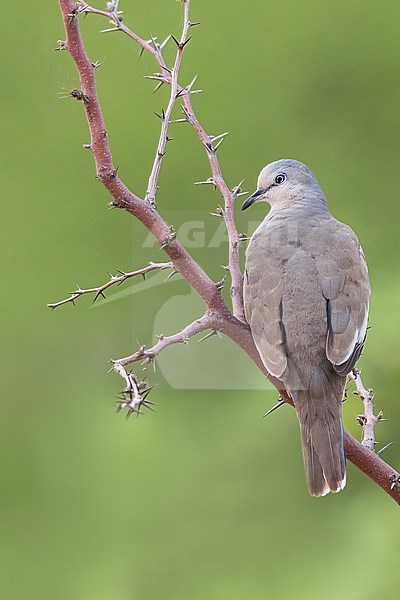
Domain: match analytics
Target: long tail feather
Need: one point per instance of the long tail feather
(319, 414)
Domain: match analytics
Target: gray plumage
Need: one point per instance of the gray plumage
(306, 294)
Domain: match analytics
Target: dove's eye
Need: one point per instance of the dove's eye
(281, 178)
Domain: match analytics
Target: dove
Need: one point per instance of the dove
(306, 298)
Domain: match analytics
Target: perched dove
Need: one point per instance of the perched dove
(306, 294)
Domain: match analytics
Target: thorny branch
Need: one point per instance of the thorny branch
(232, 323)
(166, 115)
(114, 280)
(367, 420)
(147, 355)
(134, 395)
(210, 143)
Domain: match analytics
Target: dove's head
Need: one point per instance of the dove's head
(285, 182)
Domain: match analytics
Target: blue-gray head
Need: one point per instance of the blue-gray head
(285, 182)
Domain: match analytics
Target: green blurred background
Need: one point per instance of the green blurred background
(204, 499)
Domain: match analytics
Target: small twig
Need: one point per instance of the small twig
(182, 337)
(367, 420)
(114, 16)
(173, 81)
(114, 280)
(228, 196)
(134, 395)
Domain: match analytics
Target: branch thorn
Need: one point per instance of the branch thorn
(275, 407)
(220, 284)
(395, 481)
(189, 87)
(110, 29)
(384, 448)
(174, 272)
(161, 83)
(62, 45)
(210, 180)
(219, 212)
(165, 42)
(213, 332)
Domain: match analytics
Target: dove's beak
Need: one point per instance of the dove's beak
(253, 198)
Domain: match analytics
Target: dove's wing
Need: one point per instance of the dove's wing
(343, 277)
(263, 305)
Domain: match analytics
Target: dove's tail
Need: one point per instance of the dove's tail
(319, 413)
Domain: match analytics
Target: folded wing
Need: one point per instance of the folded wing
(343, 278)
(263, 308)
